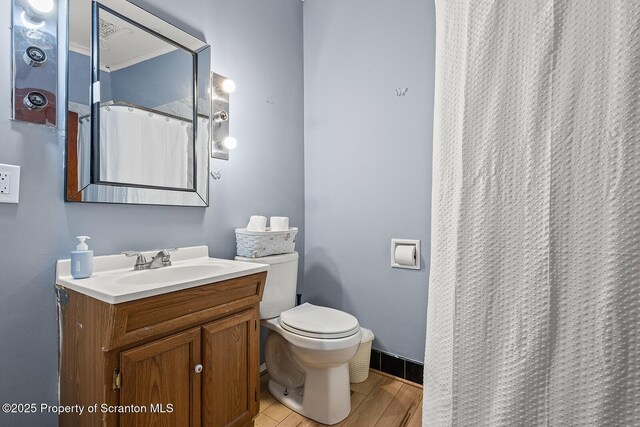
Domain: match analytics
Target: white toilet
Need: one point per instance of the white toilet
(308, 347)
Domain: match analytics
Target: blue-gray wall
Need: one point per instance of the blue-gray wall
(80, 83)
(156, 81)
(368, 161)
(259, 45)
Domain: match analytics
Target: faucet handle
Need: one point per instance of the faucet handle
(131, 253)
(141, 261)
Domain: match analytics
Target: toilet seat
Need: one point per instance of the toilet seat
(312, 321)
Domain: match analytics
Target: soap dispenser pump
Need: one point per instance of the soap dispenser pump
(82, 259)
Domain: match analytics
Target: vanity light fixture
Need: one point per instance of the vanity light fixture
(33, 44)
(220, 116)
(30, 23)
(35, 101)
(229, 143)
(229, 86)
(41, 6)
(226, 87)
(221, 141)
(34, 12)
(34, 56)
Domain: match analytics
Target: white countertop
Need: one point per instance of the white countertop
(114, 281)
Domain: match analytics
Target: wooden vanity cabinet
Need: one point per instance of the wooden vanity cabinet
(185, 358)
(158, 374)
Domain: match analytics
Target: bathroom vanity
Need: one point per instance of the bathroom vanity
(176, 346)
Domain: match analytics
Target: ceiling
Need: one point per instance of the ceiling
(121, 43)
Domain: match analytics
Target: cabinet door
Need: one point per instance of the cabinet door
(231, 360)
(160, 378)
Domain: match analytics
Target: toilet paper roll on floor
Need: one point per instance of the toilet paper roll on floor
(279, 223)
(257, 223)
(405, 255)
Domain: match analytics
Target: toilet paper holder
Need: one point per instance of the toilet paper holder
(405, 254)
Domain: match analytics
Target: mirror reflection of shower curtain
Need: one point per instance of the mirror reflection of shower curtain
(138, 147)
(534, 295)
(183, 163)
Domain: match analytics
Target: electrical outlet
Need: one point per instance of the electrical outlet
(5, 183)
(9, 183)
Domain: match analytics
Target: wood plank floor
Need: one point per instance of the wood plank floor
(380, 401)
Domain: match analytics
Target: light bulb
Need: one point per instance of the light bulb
(30, 24)
(228, 86)
(42, 6)
(229, 143)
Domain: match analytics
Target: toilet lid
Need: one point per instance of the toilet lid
(318, 322)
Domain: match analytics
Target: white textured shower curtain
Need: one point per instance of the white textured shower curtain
(534, 296)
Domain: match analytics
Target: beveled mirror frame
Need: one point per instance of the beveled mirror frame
(82, 188)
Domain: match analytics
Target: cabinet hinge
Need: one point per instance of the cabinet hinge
(255, 324)
(117, 379)
(61, 296)
(255, 395)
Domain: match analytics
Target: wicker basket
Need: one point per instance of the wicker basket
(359, 364)
(256, 244)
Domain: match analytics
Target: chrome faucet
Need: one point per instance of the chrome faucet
(162, 259)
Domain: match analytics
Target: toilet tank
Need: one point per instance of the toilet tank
(280, 289)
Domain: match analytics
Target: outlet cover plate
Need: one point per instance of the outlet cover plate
(9, 183)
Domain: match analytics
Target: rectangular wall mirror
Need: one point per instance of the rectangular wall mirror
(139, 103)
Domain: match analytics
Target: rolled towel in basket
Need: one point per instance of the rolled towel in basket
(257, 223)
(279, 223)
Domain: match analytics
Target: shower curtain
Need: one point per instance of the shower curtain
(534, 295)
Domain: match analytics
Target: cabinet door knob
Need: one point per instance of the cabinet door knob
(198, 368)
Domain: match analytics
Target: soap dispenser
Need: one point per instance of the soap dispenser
(82, 260)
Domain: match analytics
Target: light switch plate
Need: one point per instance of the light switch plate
(9, 183)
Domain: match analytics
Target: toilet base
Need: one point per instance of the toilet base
(325, 396)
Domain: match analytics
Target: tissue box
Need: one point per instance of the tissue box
(256, 244)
